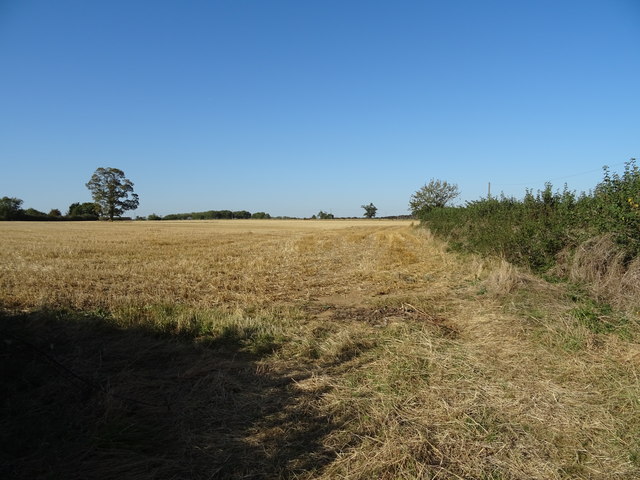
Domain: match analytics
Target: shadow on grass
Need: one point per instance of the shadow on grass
(85, 399)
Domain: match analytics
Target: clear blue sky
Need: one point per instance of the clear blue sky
(295, 106)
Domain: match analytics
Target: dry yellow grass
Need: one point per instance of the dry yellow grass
(602, 265)
(87, 265)
(333, 349)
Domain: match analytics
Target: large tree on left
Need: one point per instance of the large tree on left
(112, 192)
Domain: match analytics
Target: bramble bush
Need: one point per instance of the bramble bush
(616, 207)
(533, 230)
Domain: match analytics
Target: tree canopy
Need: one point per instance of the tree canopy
(86, 209)
(369, 210)
(436, 193)
(112, 192)
(10, 208)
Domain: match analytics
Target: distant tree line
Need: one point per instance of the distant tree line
(211, 215)
(11, 209)
(112, 195)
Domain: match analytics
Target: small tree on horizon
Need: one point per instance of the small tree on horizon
(435, 194)
(324, 215)
(112, 192)
(369, 210)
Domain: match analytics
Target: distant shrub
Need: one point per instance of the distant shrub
(325, 216)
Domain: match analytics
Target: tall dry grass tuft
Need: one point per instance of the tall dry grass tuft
(602, 266)
(503, 278)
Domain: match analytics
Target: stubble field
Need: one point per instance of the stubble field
(302, 349)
